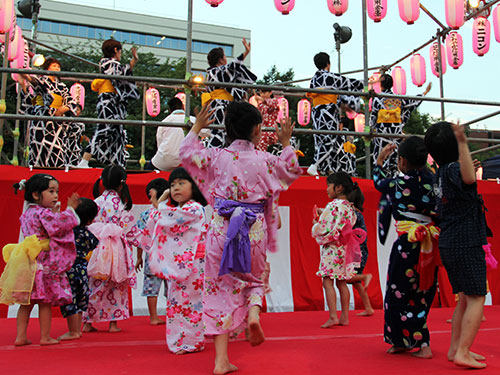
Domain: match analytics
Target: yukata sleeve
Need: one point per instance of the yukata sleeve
(329, 225)
(382, 183)
(336, 81)
(377, 105)
(411, 104)
(130, 231)
(59, 224)
(68, 100)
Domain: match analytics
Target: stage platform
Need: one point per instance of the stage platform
(295, 344)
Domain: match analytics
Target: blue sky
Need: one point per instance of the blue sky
(291, 42)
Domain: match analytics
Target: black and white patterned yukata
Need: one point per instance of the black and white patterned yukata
(327, 117)
(75, 132)
(407, 107)
(48, 143)
(234, 72)
(109, 141)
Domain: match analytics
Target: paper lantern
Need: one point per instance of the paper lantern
(7, 15)
(77, 92)
(455, 12)
(481, 36)
(22, 61)
(374, 82)
(283, 105)
(15, 43)
(496, 22)
(253, 101)
(214, 3)
(418, 74)
(454, 50)
(479, 173)
(182, 97)
(399, 81)
(377, 9)
(304, 112)
(153, 105)
(434, 55)
(409, 10)
(338, 7)
(284, 6)
(359, 123)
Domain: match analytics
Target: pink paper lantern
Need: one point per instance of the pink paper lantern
(22, 61)
(253, 101)
(359, 123)
(455, 13)
(153, 105)
(409, 10)
(284, 6)
(283, 111)
(434, 55)
(7, 15)
(399, 80)
(338, 7)
(481, 36)
(374, 82)
(454, 50)
(304, 112)
(418, 74)
(496, 22)
(479, 174)
(15, 43)
(377, 9)
(182, 97)
(77, 92)
(214, 3)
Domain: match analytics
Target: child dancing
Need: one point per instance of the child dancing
(41, 278)
(111, 267)
(242, 184)
(340, 252)
(463, 234)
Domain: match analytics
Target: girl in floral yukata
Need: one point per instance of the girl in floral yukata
(49, 285)
(243, 185)
(176, 250)
(115, 229)
(340, 252)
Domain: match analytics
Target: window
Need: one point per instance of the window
(73, 30)
(63, 29)
(82, 31)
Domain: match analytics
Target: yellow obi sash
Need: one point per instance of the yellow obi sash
(102, 85)
(319, 99)
(220, 94)
(18, 276)
(349, 147)
(392, 116)
(38, 100)
(57, 102)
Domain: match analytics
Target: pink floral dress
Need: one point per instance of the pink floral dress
(109, 299)
(243, 174)
(269, 109)
(51, 282)
(327, 232)
(174, 239)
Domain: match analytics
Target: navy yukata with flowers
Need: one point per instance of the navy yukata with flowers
(406, 307)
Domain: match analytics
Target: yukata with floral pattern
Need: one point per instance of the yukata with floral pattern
(51, 283)
(174, 239)
(109, 299)
(269, 108)
(243, 174)
(326, 232)
(406, 307)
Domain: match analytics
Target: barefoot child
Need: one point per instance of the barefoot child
(463, 234)
(85, 242)
(152, 284)
(338, 259)
(41, 279)
(243, 185)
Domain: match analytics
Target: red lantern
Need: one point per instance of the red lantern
(153, 101)
(7, 15)
(284, 6)
(15, 43)
(359, 123)
(409, 10)
(182, 97)
(214, 3)
(283, 105)
(455, 13)
(374, 82)
(304, 112)
(418, 74)
(496, 22)
(377, 9)
(338, 7)
(455, 50)
(434, 55)
(481, 36)
(77, 92)
(399, 79)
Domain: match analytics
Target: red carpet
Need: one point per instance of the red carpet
(294, 345)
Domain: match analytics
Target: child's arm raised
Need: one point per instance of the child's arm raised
(202, 120)
(284, 132)
(466, 165)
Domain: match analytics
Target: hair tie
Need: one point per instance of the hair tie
(22, 184)
(123, 181)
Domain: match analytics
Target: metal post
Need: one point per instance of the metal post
(441, 85)
(368, 171)
(35, 9)
(143, 128)
(3, 88)
(15, 160)
(189, 41)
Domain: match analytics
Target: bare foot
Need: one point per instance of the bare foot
(424, 353)
(369, 278)
(181, 352)
(87, 327)
(477, 357)
(247, 334)
(396, 350)
(113, 327)
(330, 323)
(225, 368)
(22, 342)
(156, 322)
(255, 332)
(468, 361)
(69, 336)
(49, 341)
(344, 321)
(366, 313)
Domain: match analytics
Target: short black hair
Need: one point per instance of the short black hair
(175, 103)
(214, 56)
(49, 61)
(86, 210)
(35, 184)
(321, 60)
(112, 177)
(441, 143)
(386, 82)
(241, 118)
(341, 179)
(413, 149)
(181, 173)
(108, 47)
(159, 184)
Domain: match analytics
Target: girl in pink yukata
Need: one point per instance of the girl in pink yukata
(242, 185)
(51, 285)
(340, 252)
(114, 227)
(176, 251)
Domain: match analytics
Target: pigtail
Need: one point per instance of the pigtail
(96, 191)
(21, 185)
(125, 196)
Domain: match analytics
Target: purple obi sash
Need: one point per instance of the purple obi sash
(236, 256)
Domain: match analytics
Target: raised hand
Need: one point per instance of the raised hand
(284, 131)
(203, 119)
(73, 200)
(384, 154)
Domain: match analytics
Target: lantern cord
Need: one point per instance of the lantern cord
(434, 18)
